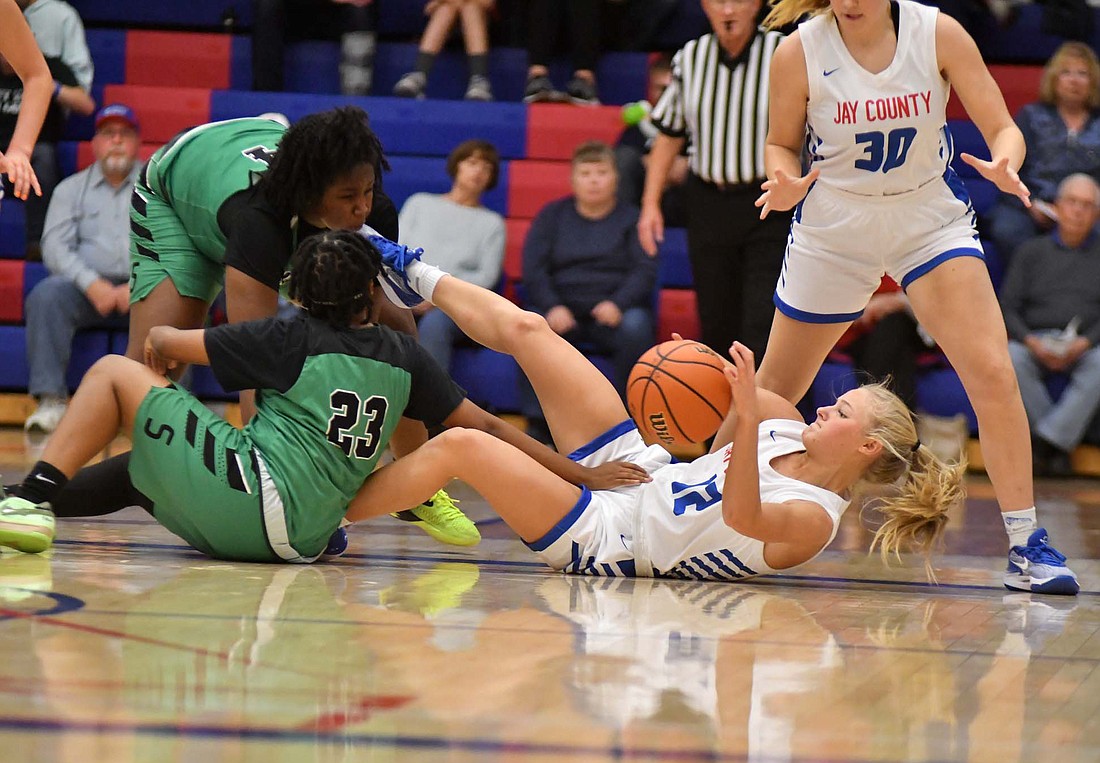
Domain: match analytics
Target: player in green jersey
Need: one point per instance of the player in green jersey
(332, 385)
(228, 202)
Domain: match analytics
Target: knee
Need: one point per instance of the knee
(47, 296)
(525, 327)
(111, 367)
(457, 444)
(989, 376)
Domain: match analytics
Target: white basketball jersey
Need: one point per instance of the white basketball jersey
(877, 134)
(679, 528)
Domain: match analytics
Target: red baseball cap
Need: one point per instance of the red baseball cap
(118, 111)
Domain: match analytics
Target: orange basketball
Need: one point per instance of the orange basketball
(677, 392)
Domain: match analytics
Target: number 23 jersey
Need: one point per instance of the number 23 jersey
(877, 134)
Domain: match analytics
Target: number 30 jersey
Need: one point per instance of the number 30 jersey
(877, 134)
(679, 529)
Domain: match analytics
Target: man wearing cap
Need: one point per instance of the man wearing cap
(85, 246)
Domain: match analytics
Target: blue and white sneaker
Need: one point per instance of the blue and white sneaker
(337, 544)
(1039, 568)
(393, 280)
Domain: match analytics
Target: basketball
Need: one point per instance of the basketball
(677, 392)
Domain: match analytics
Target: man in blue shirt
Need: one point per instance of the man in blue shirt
(85, 246)
(1051, 303)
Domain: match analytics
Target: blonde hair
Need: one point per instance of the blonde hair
(926, 487)
(1071, 50)
(785, 12)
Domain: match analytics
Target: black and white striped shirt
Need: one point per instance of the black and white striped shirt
(721, 105)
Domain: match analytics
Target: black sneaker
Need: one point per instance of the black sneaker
(539, 90)
(583, 92)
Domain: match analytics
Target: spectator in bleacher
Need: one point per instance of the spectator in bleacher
(60, 35)
(1051, 304)
(585, 271)
(464, 236)
(86, 247)
(632, 150)
(442, 16)
(544, 21)
(1062, 133)
(20, 51)
(718, 101)
(353, 22)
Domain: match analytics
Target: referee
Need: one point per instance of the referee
(718, 103)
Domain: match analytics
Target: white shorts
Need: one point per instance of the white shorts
(841, 244)
(596, 536)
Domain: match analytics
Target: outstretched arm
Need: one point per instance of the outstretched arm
(962, 66)
(167, 347)
(788, 94)
(19, 48)
(610, 475)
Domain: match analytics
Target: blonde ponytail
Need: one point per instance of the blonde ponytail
(914, 517)
(785, 12)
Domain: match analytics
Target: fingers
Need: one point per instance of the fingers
(972, 160)
(676, 337)
(811, 176)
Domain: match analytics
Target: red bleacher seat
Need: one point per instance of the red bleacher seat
(555, 129)
(11, 291)
(85, 157)
(532, 184)
(162, 111)
(178, 59)
(1019, 84)
(515, 232)
(676, 312)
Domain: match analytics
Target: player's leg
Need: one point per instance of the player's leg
(796, 350)
(530, 498)
(171, 282)
(956, 303)
(107, 398)
(579, 403)
(163, 306)
(438, 516)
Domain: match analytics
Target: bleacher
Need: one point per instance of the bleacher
(175, 79)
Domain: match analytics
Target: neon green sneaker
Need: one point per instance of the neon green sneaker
(26, 526)
(441, 518)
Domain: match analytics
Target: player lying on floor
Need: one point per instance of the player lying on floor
(768, 497)
(333, 384)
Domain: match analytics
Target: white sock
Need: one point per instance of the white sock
(423, 278)
(1019, 525)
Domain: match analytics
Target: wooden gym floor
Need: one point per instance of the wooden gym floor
(122, 645)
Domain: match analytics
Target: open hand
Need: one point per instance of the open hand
(784, 192)
(1001, 175)
(742, 378)
(615, 474)
(17, 166)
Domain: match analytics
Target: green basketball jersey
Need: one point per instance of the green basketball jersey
(327, 403)
(199, 169)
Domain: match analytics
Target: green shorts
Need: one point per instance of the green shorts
(161, 248)
(207, 482)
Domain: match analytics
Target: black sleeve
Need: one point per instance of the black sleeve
(433, 395)
(264, 354)
(383, 215)
(256, 244)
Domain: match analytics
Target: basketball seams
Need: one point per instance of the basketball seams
(659, 368)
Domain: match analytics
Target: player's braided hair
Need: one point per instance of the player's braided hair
(315, 152)
(331, 274)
